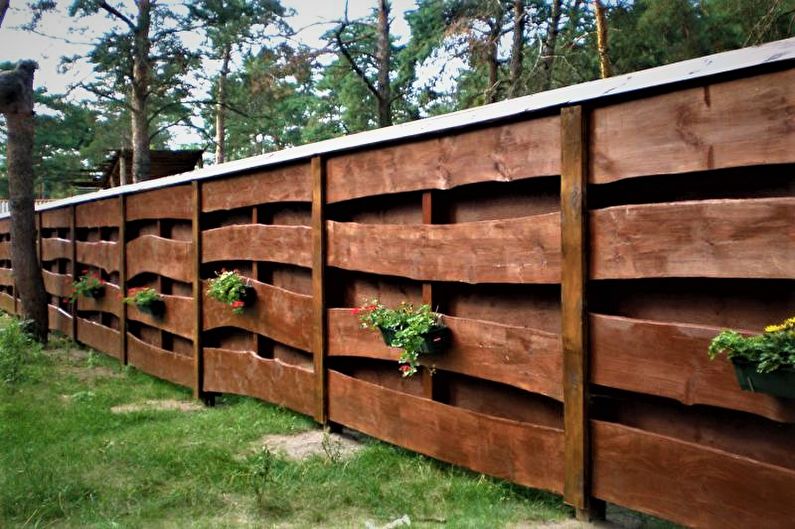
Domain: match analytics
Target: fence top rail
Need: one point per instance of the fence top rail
(776, 53)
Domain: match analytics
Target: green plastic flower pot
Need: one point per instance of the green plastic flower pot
(780, 383)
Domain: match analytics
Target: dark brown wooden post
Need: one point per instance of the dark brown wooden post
(38, 237)
(198, 348)
(574, 317)
(319, 330)
(428, 217)
(75, 271)
(123, 276)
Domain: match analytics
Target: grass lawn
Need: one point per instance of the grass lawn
(66, 460)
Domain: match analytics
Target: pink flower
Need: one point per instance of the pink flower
(237, 304)
(356, 311)
(405, 368)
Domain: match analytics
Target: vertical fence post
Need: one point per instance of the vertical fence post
(198, 348)
(73, 236)
(429, 214)
(574, 317)
(123, 276)
(319, 318)
(38, 237)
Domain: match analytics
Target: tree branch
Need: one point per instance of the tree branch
(358, 71)
(3, 9)
(118, 14)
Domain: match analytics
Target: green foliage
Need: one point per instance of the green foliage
(229, 287)
(142, 296)
(769, 351)
(89, 284)
(17, 348)
(409, 325)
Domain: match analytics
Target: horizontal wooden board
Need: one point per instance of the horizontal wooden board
(110, 302)
(59, 320)
(5, 250)
(525, 358)
(166, 257)
(670, 360)
(99, 337)
(101, 213)
(6, 277)
(103, 254)
(284, 184)
(57, 284)
(175, 318)
(244, 373)
(7, 302)
(752, 238)
(168, 203)
(687, 483)
(258, 242)
(54, 248)
(520, 452)
(732, 124)
(279, 314)
(56, 218)
(504, 153)
(159, 362)
(523, 250)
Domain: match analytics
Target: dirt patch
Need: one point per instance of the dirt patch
(158, 405)
(314, 442)
(86, 374)
(565, 524)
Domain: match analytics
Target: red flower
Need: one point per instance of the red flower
(237, 304)
(101, 281)
(356, 311)
(405, 368)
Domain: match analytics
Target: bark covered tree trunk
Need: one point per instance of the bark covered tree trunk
(220, 108)
(605, 70)
(141, 160)
(16, 102)
(550, 44)
(517, 48)
(384, 55)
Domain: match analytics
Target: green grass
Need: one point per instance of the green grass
(67, 461)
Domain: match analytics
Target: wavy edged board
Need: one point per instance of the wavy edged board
(157, 255)
(753, 238)
(100, 213)
(159, 362)
(523, 250)
(102, 254)
(244, 373)
(7, 302)
(54, 248)
(99, 337)
(57, 284)
(517, 356)
(688, 483)
(731, 124)
(168, 203)
(524, 453)
(505, 153)
(7, 277)
(258, 242)
(285, 184)
(56, 218)
(59, 320)
(110, 302)
(279, 314)
(670, 360)
(175, 319)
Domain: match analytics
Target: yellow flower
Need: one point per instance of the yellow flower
(786, 325)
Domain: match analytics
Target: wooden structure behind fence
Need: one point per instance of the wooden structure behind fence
(583, 256)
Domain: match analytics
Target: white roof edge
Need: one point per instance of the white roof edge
(721, 63)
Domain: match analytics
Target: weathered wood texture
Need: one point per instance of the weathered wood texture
(99, 337)
(174, 319)
(168, 203)
(55, 284)
(687, 483)
(157, 255)
(258, 242)
(54, 248)
(504, 153)
(5, 250)
(7, 303)
(244, 373)
(55, 218)
(524, 250)
(98, 214)
(319, 338)
(712, 238)
(59, 320)
(159, 362)
(731, 124)
(279, 314)
(102, 254)
(7, 277)
(524, 453)
(286, 184)
(110, 302)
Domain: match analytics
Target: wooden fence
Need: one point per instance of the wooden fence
(583, 256)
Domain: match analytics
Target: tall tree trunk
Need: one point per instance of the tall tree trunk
(517, 48)
(384, 56)
(16, 102)
(550, 45)
(141, 162)
(492, 59)
(3, 9)
(220, 107)
(605, 70)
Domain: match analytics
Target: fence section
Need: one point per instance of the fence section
(583, 257)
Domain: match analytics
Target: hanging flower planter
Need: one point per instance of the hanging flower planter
(147, 300)
(763, 363)
(88, 285)
(230, 287)
(418, 331)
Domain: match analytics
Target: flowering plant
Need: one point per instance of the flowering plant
(144, 298)
(769, 351)
(230, 287)
(416, 330)
(89, 285)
